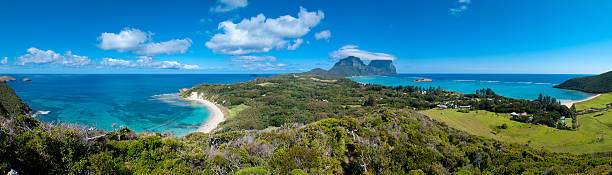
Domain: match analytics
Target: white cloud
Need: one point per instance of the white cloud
(169, 47)
(125, 40)
(139, 42)
(146, 62)
(461, 7)
(228, 5)
(351, 50)
(251, 59)
(325, 34)
(260, 34)
(37, 56)
(4, 61)
(296, 44)
(115, 62)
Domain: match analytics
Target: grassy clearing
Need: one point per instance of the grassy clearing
(235, 109)
(264, 84)
(594, 134)
(599, 102)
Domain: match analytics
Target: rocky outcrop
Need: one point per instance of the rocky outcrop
(7, 79)
(423, 80)
(26, 79)
(353, 66)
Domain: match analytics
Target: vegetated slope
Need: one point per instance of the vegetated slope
(353, 134)
(10, 104)
(593, 84)
(590, 137)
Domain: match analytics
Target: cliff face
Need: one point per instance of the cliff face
(353, 66)
(382, 67)
(593, 84)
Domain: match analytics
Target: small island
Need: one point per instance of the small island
(26, 79)
(423, 80)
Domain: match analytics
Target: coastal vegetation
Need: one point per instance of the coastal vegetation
(593, 84)
(290, 124)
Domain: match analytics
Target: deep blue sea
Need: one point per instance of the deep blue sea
(522, 86)
(149, 103)
(141, 102)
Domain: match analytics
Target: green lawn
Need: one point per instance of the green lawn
(594, 134)
(233, 111)
(599, 102)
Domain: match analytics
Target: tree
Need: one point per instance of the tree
(370, 101)
(574, 117)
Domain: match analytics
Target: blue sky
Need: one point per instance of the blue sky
(230, 36)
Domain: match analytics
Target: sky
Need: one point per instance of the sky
(262, 36)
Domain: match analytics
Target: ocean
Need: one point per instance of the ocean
(140, 102)
(148, 102)
(521, 86)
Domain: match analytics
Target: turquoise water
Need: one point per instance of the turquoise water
(141, 102)
(522, 86)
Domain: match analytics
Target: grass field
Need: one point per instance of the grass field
(235, 109)
(593, 135)
(599, 102)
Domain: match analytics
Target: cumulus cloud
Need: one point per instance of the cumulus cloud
(140, 42)
(260, 34)
(228, 5)
(325, 34)
(37, 56)
(351, 50)
(146, 62)
(251, 59)
(4, 61)
(461, 7)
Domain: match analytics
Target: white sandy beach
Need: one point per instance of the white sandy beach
(214, 118)
(569, 104)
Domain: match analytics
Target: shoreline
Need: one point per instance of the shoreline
(215, 117)
(569, 104)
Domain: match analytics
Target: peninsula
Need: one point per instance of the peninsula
(593, 84)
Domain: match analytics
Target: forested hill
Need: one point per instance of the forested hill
(593, 84)
(289, 124)
(10, 104)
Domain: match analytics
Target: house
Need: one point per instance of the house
(514, 114)
(467, 106)
(524, 114)
(442, 106)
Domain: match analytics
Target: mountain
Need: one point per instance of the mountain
(10, 104)
(382, 67)
(353, 66)
(593, 84)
